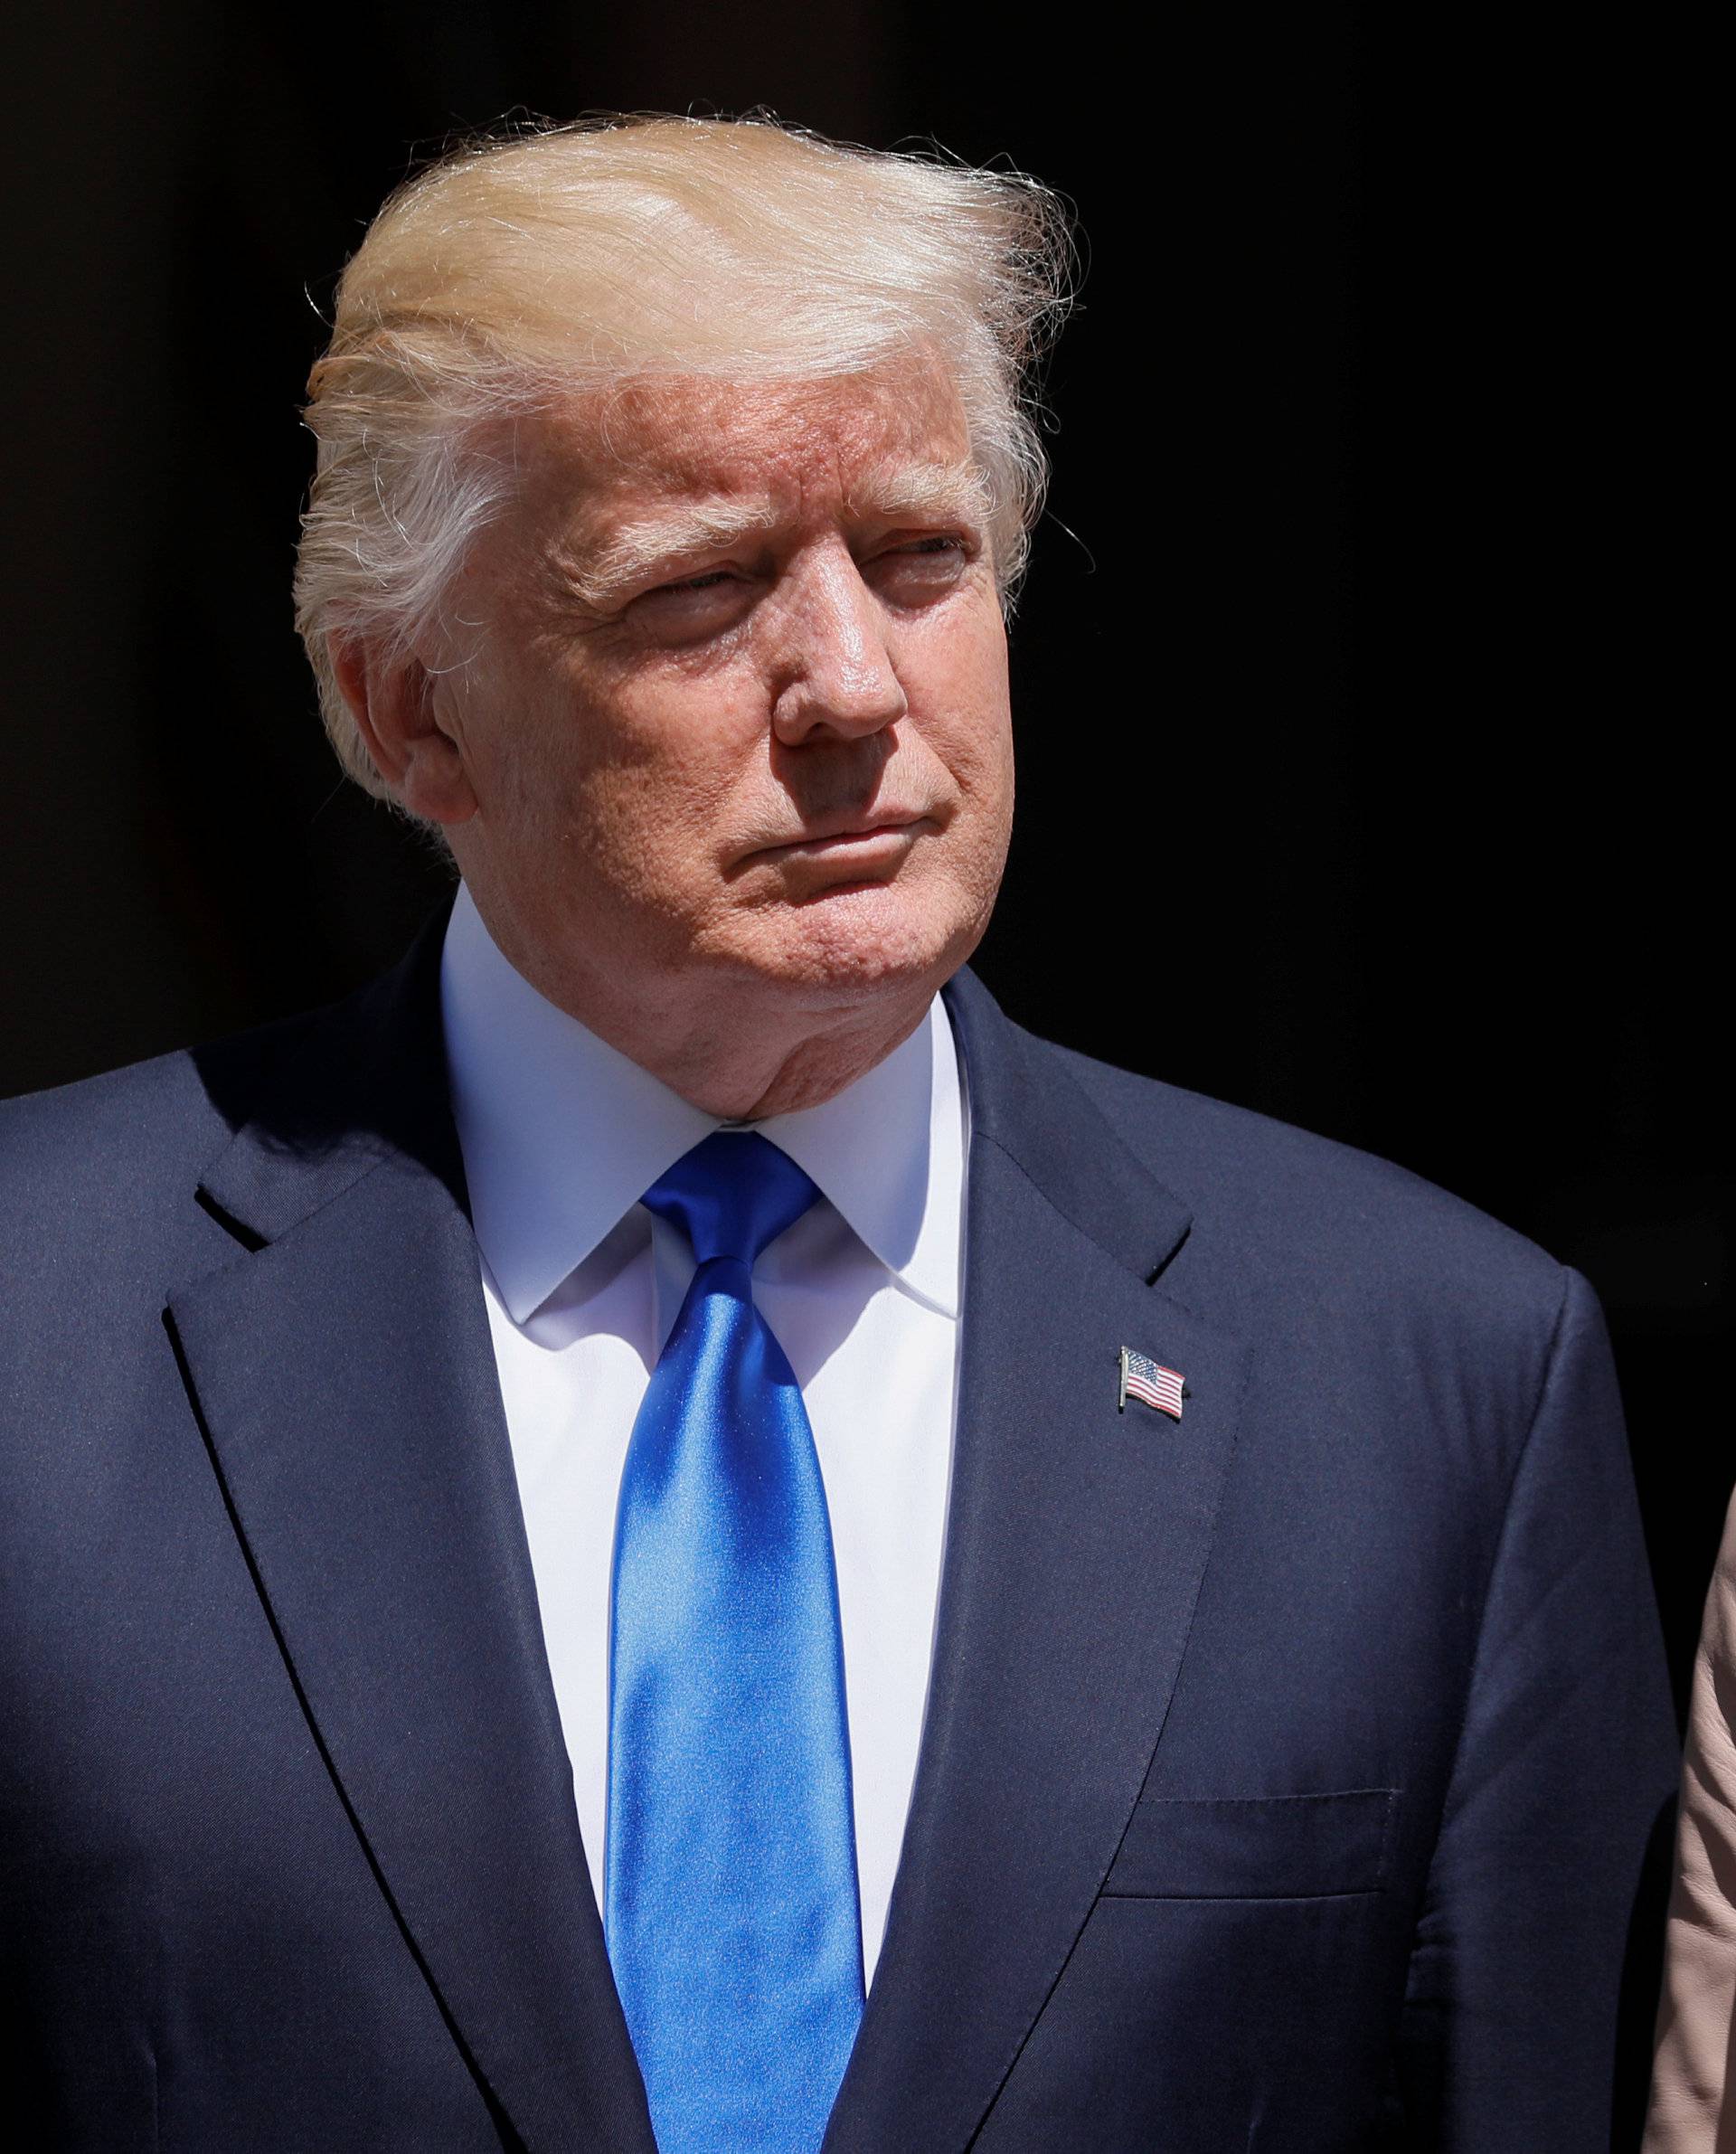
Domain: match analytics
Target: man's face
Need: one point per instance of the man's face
(730, 689)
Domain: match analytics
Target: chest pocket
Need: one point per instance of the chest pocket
(1260, 1847)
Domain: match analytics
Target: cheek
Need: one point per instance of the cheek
(524, 737)
(647, 780)
(679, 750)
(972, 728)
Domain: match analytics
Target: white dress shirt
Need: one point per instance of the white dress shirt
(562, 1136)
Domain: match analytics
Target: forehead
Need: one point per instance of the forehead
(790, 445)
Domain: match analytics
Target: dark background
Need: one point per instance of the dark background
(1364, 776)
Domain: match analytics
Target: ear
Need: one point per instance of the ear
(394, 705)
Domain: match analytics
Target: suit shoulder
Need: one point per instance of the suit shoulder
(127, 1114)
(1306, 1201)
(109, 1149)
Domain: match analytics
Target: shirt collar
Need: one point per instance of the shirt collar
(561, 1134)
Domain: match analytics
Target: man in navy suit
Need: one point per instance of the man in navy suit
(1231, 1713)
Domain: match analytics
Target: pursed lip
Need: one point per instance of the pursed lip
(837, 835)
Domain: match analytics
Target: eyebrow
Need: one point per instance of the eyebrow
(888, 493)
(944, 492)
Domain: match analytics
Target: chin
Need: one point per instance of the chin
(858, 940)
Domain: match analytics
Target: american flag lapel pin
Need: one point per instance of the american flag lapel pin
(1151, 1383)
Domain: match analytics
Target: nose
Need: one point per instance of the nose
(835, 671)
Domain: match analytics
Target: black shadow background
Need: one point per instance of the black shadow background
(1362, 777)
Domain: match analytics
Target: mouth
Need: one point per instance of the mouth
(885, 834)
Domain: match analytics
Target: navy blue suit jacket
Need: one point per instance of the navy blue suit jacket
(1288, 1773)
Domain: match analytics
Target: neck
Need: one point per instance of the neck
(739, 1050)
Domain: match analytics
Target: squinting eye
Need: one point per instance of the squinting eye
(705, 583)
(926, 560)
(694, 607)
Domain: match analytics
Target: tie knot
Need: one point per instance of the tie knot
(731, 1194)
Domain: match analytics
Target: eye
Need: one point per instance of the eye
(939, 542)
(693, 607)
(708, 581)
(709, 588)
(919, 567)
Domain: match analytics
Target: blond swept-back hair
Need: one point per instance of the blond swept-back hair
(515, 271)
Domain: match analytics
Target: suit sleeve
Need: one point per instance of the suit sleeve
(1533, 1977)
(1693, 2100)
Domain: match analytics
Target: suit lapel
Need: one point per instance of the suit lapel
(345, 1377)
(1077, 1539)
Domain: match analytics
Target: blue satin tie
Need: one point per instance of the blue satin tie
(733, 1918)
